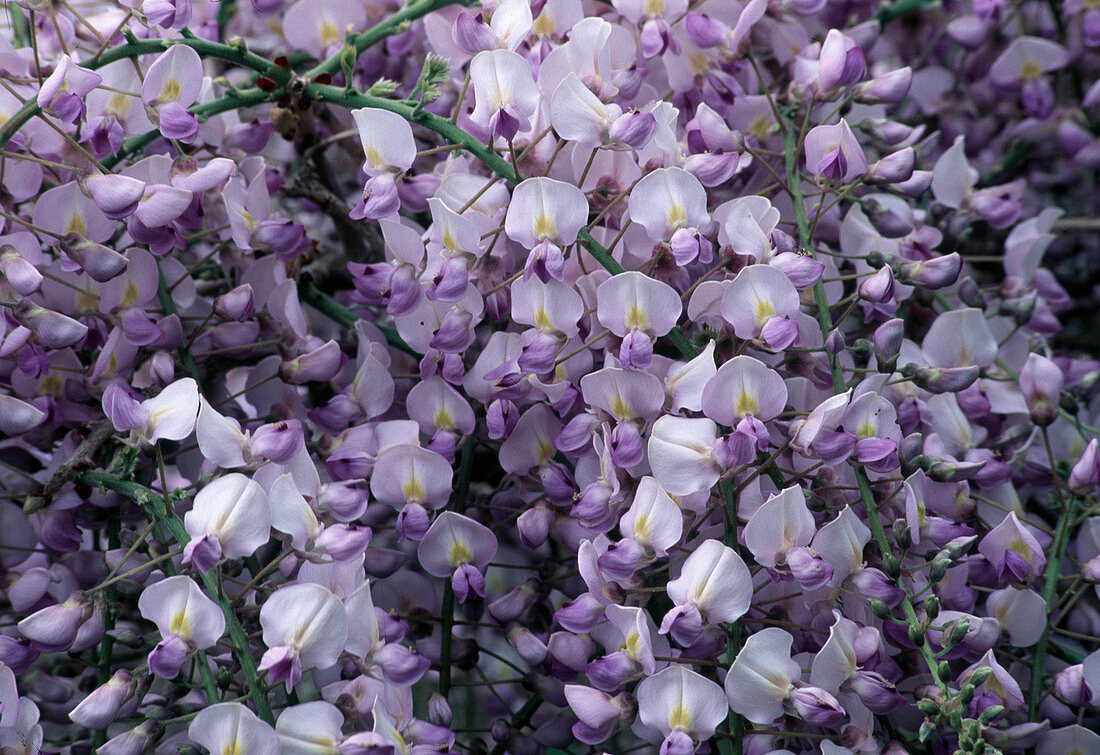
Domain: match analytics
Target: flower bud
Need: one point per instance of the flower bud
(19, 272)
(633, 128)
(439, 710)
(581, 614)
(534, 525)
(343, 542)
(412, 522)
(878, 287)
(166, 659)
(140, 739)
(815, 706)
(705, 31)
(876, 692)
(319, 365)
(501, 418)
(471, 34)
(1086, 472)
(278, 441)
(887, 340)
(102, 706)
(236, 304)
(1041, 383)
(895, 168)
(889, 88)
(514, 603)
(529, 647)
(874, 584)
(809, 570)
(1071, 688)
(115, 194)
(18, 416)
(942, 379)
(938, 272)
(55, 627)
(52, 329)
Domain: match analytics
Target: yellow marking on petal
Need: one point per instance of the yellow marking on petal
(543, 26)
(699, 62)
(129, 295)
(632, 645)
(450, 242)
(620, 409)
(545, 451)
(232, 749)
(180, 625)
(676, 216)
(443, 419)
(330, 35)
(374, 157)
(87, 300)
(171, 90)
(1019, 547)
(50, 385)
(247, 216)
(544, 228)
(1030, 70)
(459, 554)
(745, 404)
(76, 224)
(636, 318)
(119, 105)
(680, 718)
(761, 128)
(542, 320)
(412, 491)
(763, 310)
(866, 429)
(642, 527)
(654, 8)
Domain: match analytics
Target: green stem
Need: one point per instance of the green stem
(735, 723)
(1050, 585)
(232, 100)
(395, 24)
(152, 502)
(106, 647)
(458, 505)
(896, 10)
(326, 306)
(209, 685)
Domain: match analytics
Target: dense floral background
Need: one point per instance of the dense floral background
(549, 376)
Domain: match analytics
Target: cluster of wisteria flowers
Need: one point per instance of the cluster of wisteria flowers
(547, 376)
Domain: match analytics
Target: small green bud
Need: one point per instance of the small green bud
(932, 606)
(879, 608)
(927, 729)
(939, 569)
(991, 713)
(891, 566)
(957, 631)
(980, 675)
(902, 535)
(929, 707)
(916, 636)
